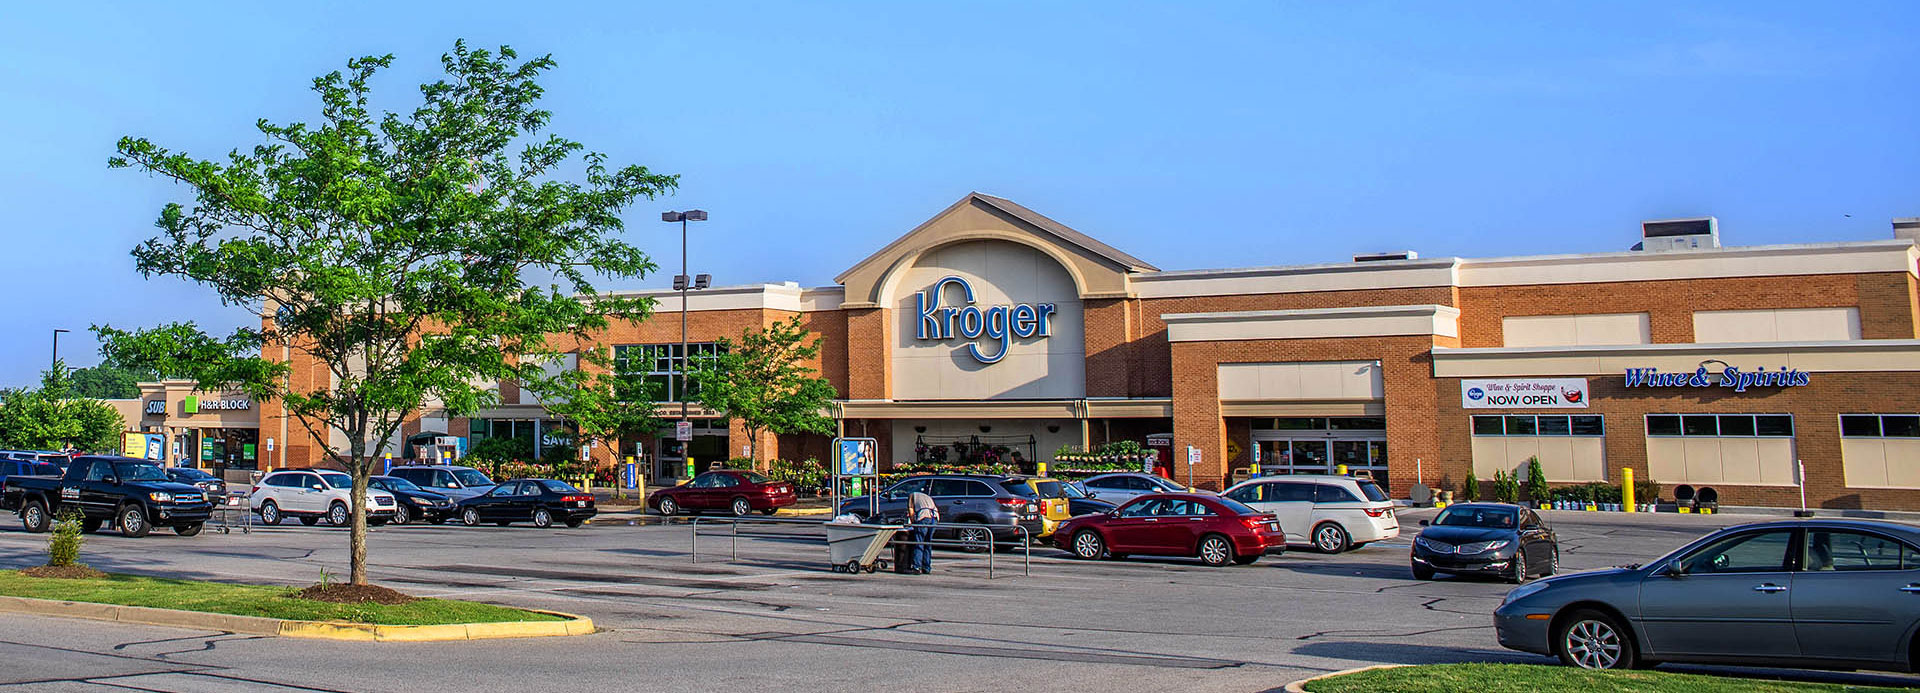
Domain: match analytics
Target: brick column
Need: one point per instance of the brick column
(1196, 416)
(870, 354)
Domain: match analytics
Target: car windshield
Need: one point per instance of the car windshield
(1018, 488)
(1050, 489)
(1073, 490)
(338, 480)
(397, 484)
(564, 487)
(135, 471)
(751, 477)
(1489, 518)
(44, 469)
(191, 473)
(1165, 485)
(471, 477)
(1238, 508)
(1372, 491)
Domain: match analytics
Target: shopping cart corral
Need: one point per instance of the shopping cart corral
(233, 512)
(860, 544)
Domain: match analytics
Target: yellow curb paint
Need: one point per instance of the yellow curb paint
(1301, 685)
(322, 630)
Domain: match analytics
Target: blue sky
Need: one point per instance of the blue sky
(1192, 135)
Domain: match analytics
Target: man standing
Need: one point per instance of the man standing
(923, 514)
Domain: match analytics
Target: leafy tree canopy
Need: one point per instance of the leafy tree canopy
(417, 257)
(764, 382)
(53, 418)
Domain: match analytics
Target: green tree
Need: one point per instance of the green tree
(600, 405)
(1470, 490)
(764, 383)
(51, 418)
(417, 257)
(107, 382)
(1536, 481)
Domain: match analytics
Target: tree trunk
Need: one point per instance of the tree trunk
(357, 534)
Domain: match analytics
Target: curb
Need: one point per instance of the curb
(323, 630)
(1301, 685)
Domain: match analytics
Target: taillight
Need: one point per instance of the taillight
(1378, 512)
(1254, 522)
(1016, 504)
(571, 499)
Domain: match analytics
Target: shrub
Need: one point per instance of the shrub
(63, 547)
(1506, 488)
(1646, 490)
(1470, 491)
(1536, 481)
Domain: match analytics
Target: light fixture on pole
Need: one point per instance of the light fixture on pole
(56, 349)
(682, 285)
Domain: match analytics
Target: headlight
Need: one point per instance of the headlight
(1431, 545)
(160, 497)
(1524, 590)
(1482, 547)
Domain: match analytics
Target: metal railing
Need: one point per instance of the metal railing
(1024, 538)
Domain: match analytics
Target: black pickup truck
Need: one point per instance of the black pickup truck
(134, 495)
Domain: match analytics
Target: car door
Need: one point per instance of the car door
(1292, 503)
(891, 505)
(311, 496)
(1185, 521)
(1727, 598)
(530, 496)
(1856, 596)
(699, 491)
(1336, 503)
(1131, 529)
(496, 503)
(1536, 541)
(89, 494)
(1110, 489)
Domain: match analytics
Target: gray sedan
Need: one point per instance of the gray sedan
(1118, 488)
(1814, 593)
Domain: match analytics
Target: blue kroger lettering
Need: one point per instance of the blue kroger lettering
(998, 323)
(1731, 377)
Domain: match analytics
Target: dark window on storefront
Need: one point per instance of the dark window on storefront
(655, 371)
(1551, 425)
(1357, 423)
(1721, 425)
(1880, 425)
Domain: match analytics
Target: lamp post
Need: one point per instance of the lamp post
(682, 285)
(56, 349)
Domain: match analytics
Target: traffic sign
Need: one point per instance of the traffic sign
(683, 431)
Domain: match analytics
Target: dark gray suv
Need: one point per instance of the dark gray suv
(992, 502)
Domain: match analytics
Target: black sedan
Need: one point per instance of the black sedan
(1486, 539)
(414, 503)
(1079, 502)
(540, 501)
(212, 485)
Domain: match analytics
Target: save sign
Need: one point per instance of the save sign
(999, 323)
(1524, 393)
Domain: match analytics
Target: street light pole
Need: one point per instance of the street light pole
(684, 283)
(56, 349)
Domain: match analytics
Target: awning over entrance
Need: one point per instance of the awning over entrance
(1008, 409)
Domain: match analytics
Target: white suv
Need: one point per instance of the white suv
(313, 495)
(1327, 512)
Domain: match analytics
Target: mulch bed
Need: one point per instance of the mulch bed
(65, 572)
(353, 594)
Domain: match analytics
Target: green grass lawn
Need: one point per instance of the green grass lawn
(1528, 678)
(253, 600)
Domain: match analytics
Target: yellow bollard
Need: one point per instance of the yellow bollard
(689, 467)
(1340, 469)
(1040, 468)
(1626, 490)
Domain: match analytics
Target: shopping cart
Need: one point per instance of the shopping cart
(233, 512)
(854, 548)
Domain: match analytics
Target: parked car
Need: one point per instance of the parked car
(1121, 487)
(452, 481)
(212, 485)
(313, 495)
(414, 503)
(28, 466)
(1486, 539)
(1079, 502)
(1215, 529)
(1327, 512)
(1056, 504)
(540, 501)
(967, 499)
(134, 495)
(737, 491)
(1831, 594)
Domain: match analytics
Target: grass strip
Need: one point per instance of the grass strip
(254, 600)
(1530, 678)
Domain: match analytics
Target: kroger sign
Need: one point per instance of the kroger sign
(997, 323)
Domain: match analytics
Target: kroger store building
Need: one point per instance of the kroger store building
(992, 325)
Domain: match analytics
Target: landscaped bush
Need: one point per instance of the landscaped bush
(1470, 491)
(63, 547)
(1536, 481)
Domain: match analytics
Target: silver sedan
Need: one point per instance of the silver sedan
(1120, 487)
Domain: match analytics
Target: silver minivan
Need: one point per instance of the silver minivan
(1327, 512)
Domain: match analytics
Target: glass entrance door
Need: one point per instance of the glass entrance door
(1323, 456)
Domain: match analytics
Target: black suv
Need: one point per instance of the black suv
(997, 503)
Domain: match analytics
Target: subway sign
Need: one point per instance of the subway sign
(1731, 377)
(967, 321)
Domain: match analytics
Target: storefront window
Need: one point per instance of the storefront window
(1489, 426)
(1322, 423)
(1554, 426)
(1880, 425)
(1517, 425)
(1521, 426)
(1700, 425)
(1721, 425)
(655, 371)
(1663, 425)
(1357, 423)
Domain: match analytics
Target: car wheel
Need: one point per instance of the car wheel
(668, 507)
(400, 514)
(1421, 572)
(542, 518)
(269, 513)
(309, 520)
(1594, 640)
(741, 508)
(470, 517)
(1215, 550)
(133, 521)
(338, 516)
(1087, 545)
(975, 539)
(1330, 538)
(89, 525)
(188, 529)
(1518, 574)
(1553, 564)
(34, 517)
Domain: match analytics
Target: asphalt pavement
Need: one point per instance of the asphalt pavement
(777, 619)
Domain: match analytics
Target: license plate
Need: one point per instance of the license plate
(580, 503)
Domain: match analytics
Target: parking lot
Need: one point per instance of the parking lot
(779, 620)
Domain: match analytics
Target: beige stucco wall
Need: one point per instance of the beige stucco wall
(1001, 274)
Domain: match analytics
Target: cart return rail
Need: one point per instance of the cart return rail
(1023, 540)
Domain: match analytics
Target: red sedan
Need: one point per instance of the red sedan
(1216, 530)
(734, 490)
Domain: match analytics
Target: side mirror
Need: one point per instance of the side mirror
(318, 487)
(1673, 570)
(1424, 523)
(111, 479)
